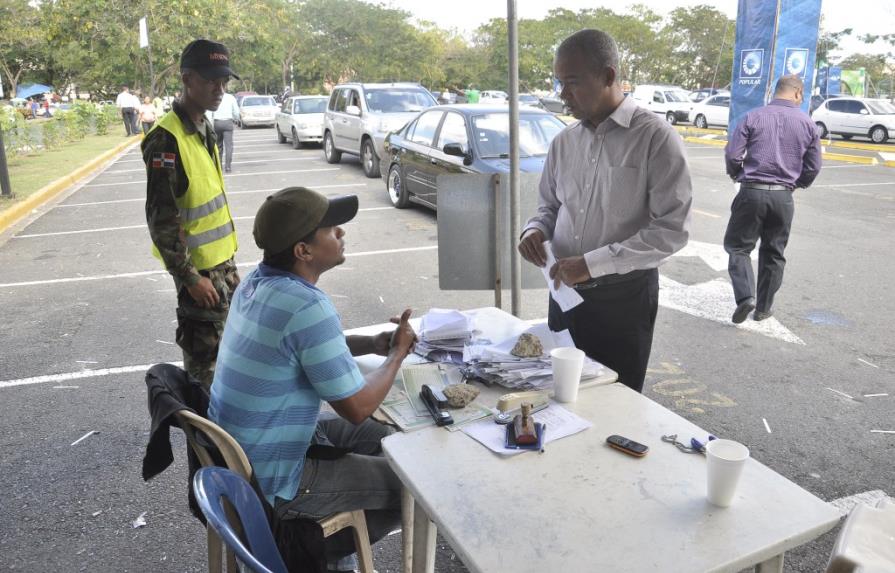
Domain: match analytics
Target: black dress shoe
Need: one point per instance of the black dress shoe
(227, 170)
(743, 310)
(760, 315)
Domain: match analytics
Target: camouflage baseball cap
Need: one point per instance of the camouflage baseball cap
(293, 213)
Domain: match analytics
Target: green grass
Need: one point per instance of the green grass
(29, 173)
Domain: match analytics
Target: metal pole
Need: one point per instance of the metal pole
(718, 64)
(498, 244)
(5, 188)
(515, 222)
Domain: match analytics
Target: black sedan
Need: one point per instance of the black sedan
(461, 139)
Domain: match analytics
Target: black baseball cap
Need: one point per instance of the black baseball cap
(210, 59)
(293, 213)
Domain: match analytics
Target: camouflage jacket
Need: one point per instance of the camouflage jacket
(165, 183)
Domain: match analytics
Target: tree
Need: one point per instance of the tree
(21, 41)
(701, 47)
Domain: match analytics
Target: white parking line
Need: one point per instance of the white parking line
(234, 163)
(80, 375)
(255, 174)
(164, 272)
(92, 185)
(846, 504)
(880, 184)
(236, 153)
(141, 199)
(131, 227)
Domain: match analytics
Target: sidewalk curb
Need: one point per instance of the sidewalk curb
(19, 211)
(715, 142)
(844, 157)
(861, 159)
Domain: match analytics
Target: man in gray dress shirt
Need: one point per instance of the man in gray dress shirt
(615, 198)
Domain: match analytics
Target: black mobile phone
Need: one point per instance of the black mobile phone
(627, 446)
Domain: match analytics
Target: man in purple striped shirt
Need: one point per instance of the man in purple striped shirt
(773, 150)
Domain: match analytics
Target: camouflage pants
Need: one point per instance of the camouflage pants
(199, 330)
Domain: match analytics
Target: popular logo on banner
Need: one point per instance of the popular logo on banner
(796, 61)
(751, 64)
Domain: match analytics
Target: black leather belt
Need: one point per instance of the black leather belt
(765, 186)
(613, 279)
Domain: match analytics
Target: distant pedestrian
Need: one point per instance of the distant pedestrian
(46, 106)
(128, 105)
(35, 107)
(773, 150)
(187, 212)
(147, 115)
(224, 119)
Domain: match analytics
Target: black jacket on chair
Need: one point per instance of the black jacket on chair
(170, 389)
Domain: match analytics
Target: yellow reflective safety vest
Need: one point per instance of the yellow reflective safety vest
(204, 213)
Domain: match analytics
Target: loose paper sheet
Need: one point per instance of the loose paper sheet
(560, 423)
(565, 296)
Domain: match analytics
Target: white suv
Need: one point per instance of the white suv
(359, 116)
(852, 116)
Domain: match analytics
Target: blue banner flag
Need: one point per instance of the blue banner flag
(796, 45)
(773, 38)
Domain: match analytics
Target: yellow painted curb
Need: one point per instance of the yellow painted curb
(861, 146)
(18, 211)
(715, 142)
(889, 163)
(863, 160)
(694, 129)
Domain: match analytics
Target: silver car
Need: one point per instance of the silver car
(359, 116)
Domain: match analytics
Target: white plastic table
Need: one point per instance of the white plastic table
(582, 506)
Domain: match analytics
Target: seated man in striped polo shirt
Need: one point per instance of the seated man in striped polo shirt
(283, 352)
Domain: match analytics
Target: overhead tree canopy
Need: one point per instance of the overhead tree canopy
(313, 44)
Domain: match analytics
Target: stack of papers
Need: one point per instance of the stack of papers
(443, 335)
(495, 364)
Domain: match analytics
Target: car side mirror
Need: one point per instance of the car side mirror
(457, 150)
(864, 111)
(352, 110)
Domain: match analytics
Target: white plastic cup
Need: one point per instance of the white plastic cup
(567, 365)
(724, 462)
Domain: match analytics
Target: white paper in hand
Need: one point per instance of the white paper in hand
(565, 296)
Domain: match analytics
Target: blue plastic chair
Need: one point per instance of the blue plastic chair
(212, 485)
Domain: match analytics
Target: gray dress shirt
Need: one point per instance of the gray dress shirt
(618, 194)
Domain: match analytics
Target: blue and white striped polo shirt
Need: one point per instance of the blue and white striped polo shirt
(283, 351)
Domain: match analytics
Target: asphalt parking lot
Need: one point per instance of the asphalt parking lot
(86, 309)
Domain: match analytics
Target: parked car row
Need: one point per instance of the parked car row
(466, 138)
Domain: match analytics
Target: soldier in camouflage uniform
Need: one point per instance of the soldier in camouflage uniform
(190, 223)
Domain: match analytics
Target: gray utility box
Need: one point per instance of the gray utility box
(466, 231)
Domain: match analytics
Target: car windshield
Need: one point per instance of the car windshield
(397, 100)
(316, 105)
(536, 131)
(881, 107)
(675, 96)
(257, 101)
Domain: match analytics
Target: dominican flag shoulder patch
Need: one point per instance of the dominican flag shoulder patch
(160, 160)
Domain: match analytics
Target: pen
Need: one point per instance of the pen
(543, 438)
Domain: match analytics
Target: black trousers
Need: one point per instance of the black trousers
(129, 115)
(224, 130)
(758, 214)
(614, 325)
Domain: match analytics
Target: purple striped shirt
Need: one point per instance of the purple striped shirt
(775, 144)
